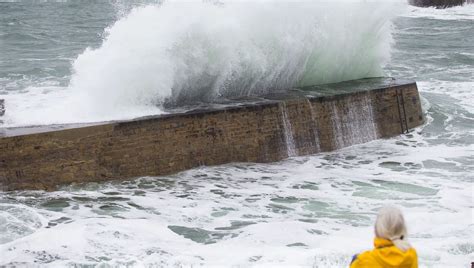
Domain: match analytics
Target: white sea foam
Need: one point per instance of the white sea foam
(463, 92)
(465, 12)
(308, 211)
(185, 51)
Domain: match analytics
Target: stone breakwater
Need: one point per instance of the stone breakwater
(262, 129)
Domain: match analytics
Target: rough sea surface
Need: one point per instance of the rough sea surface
(312, 211)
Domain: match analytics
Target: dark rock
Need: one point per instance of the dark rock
(436, 3)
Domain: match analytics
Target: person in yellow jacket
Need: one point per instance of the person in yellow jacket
(391, 248)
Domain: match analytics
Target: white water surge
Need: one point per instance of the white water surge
(181, 52)
(313, 211)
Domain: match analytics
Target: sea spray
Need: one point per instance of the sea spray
(178, 53)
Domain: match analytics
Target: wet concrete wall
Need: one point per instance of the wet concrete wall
(307, 121)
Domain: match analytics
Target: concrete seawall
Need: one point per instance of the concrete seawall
(265, 129)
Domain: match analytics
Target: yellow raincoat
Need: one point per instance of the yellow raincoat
(385, 255)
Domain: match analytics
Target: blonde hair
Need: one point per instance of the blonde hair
(390, 225)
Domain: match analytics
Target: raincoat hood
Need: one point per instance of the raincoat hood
(386, 254)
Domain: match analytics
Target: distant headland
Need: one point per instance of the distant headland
(438, 3)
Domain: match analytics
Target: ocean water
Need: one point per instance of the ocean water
(311, 211)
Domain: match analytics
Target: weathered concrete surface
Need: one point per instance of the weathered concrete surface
(437, 3)
(303, 121)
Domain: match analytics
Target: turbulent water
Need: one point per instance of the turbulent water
(310, 211)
